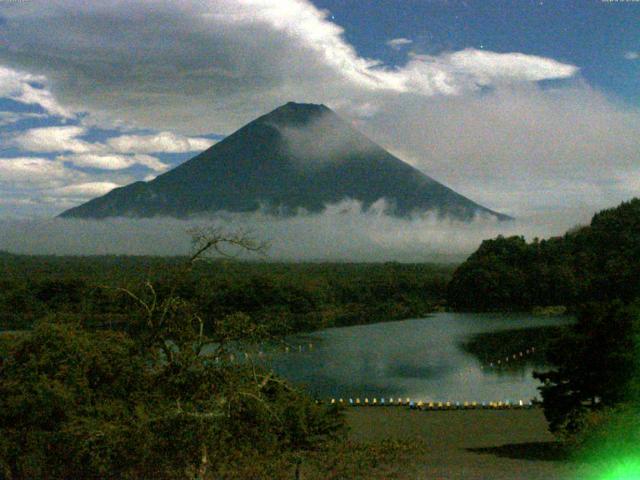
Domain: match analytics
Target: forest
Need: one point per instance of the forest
(597, 262)
(109, 366)
(107, 363)
(590, 397)
(301, 296)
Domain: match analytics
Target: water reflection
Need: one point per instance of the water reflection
(422, 359)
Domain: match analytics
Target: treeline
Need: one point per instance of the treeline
(297, 297)
(590, 396)
(598, 262)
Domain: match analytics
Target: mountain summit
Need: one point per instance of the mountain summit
(299, 156)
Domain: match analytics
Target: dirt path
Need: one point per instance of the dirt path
(471, 444)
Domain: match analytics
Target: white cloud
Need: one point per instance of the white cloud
(88, 154)
(55, 139)
(85, 190)
(113, 161)
(161, 142)
(33, 171)
(486, 68)
(517, 150)
(398, 43)
(632, 55)
(343, 232)
(229, 60)
(9, 118)
(19, 86)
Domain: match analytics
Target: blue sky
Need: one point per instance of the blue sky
(594, 35)
(528, 107)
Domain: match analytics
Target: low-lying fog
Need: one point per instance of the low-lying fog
(342, 233)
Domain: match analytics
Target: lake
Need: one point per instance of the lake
(422, 359)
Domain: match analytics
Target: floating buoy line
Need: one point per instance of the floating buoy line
(428, 405)
(397, 401)
(509, 359)
(308, 347)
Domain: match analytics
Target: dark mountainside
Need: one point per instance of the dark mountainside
(298, 156)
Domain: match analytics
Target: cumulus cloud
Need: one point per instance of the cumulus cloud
(631, 55)
(212, 65)
(97, 155)
(113, 162)
(518, 149)
(33, 171)
(66, 139)
(398, 43)
(23, 87)
(85, 190)
(9, 118)
(166, 142)
(55, 139)
(224, 61)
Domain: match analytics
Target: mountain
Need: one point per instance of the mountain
(299, 156)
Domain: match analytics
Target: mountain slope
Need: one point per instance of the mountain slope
(298, 156)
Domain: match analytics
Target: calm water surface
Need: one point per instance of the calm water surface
(421, 359)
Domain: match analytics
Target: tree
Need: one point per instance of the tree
(595, 366)
(161, 398)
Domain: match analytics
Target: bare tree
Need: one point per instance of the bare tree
(208, 240)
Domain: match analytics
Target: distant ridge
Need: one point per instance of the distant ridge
(299, 156)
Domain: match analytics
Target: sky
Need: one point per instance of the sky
(530, 108)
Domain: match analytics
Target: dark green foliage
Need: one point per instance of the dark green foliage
(489, 347)
(134, 381)
(596, 361)
(600, 262)
(593, 270)
(301, 297)
(102, 404)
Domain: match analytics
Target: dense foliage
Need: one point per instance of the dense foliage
(123, 372)
(599, 262)
(593, 270)
(155, 398)
(302, 296)
(596, 363)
